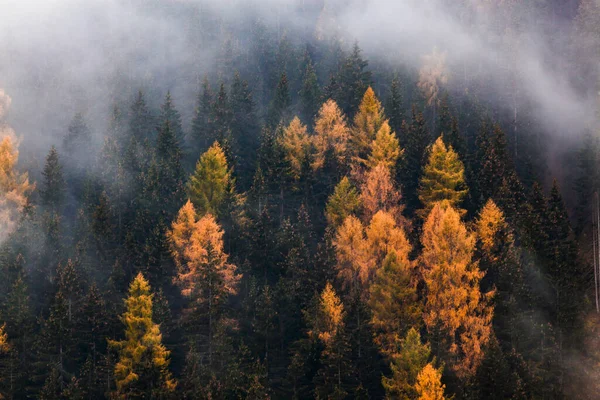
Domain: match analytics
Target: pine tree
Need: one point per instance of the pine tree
(455, 307)
(352, 81)
(211, 182)
(201, 134)
(414, 140)
(142, 367)
(310, 93)
(393, 106)
(168, 113)
(344, 201)
(279, 111)
(221, 116)
(443, 178)
(168, 168)
(409, 359)
(53, 185)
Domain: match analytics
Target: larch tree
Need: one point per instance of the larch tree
(344, 201)
(367, 123)
(378, 192)
(432, 77)
(204, 275)
(429, 384)
(296, 144)
(455, 310)
(14, 187)
(142, 369)
(331, 135)
(385, 149)
(353, 264)
(443, 178)
(211, 183)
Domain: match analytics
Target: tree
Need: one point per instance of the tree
(429, 384)
(204, 276)
(14, 187)
(344, 201)
(280, 105)
(201, 135)
(142, 367)
(353, 264)
(170, 115)
(407, 361)
(352, 81)
(221, 116)
(432, 77)
(393, 301)
(310, 93)
(77, 142)
(328, 327)
(367, 123)
(331, 135)
(454, 307)
(443, 178)
(168, 173)
(211, 182)
(53, 185)
(384, 149)
(394, 105)
(296, 145)
(378, 192)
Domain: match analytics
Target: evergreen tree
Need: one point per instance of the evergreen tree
(142, 367)
(221, 116)
(168, 169)
(352, 81)
(53, 187)
(394, 105)
(170, 115)
(201, 135)
(310, 93)
(343, 202)
(279, 111)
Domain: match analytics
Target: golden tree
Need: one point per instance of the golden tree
(385, 148)
(354, 265)
(331, 135)
(489, 225)
(142, 368)
(432, 76)
(344, 201)
(385, 236)
(367, 122)
(443, 178)
(296, 144)
(429, 384)
(455, 307)
(378, 192)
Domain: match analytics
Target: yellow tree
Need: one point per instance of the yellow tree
(331, 135)
(455, 310)
(429, 384)
(205, 277)
(344, 201)
(378, 192)
(432, 76)
(14, 187)
(385, 236)
(142, 368)
(211, 183)
(296, 144)
(354, 265)
(385, 148)
(443, 178)
(367, 122)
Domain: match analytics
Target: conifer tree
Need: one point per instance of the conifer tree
(168, 113)
(352, 81)
(279, 111)
(443, 178)
(429, 384)
(394, 105)
(221, 116)
(384, 149)
(77, 144)
(393, 301)
(344, 201)
(211, 182)
(310, 93)
(378, 192)
(331, 135)
(409, 359)
(295, 143)
(142, 367)
(367, 123)
(454, 307)
(414, 140)
(201, 132)
(53, 185)
(168, 172)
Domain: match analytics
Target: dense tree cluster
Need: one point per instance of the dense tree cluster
(297, 240)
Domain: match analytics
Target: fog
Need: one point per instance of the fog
(60, 57)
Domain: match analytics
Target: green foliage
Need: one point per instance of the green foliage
(344, 201)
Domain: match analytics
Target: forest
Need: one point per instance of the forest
(260, 200)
